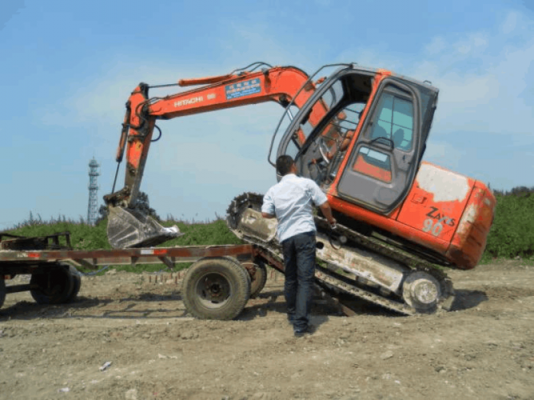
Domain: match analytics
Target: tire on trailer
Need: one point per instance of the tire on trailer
(77, 284)
(259, 279)
(54, 286)
(2, 291)
(216, 288)
(257, 282)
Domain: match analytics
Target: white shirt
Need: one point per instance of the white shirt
(292, 200)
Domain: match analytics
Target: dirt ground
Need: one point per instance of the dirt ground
(484, 349)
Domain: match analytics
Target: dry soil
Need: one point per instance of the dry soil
(484, 349)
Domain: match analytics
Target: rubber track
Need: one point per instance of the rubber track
(370, 243)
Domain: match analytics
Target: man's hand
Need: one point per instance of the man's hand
(268, 216)
(327, 212)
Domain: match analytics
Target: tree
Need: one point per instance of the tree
(142, 204)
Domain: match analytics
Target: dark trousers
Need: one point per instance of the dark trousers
(299, 260)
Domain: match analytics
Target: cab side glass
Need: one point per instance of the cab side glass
(325, 103)
(394, 121)
(373, 163)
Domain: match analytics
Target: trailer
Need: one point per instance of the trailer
(216, 286)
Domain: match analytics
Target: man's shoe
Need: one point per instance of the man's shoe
(309, 330)
(299, 334)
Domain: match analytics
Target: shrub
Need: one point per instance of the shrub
(512, 233)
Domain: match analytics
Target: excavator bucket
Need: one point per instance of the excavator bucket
(132, 228)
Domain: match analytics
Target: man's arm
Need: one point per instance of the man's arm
(319, 198)
(327, 212)
(267, 209)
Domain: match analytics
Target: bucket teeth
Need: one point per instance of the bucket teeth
(131, 228)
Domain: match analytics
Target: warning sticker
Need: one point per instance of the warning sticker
(243, 89)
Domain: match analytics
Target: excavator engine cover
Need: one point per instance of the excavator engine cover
(132, 228)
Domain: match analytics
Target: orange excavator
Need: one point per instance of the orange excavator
(360, 133)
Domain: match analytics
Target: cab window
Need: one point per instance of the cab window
(327, 101)
(394, 121)
(373, 163)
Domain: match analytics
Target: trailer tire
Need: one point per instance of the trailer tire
(257, 283)
(77, 284)
(54, 287)
(2, 291)
(260, 278)
(216, 288)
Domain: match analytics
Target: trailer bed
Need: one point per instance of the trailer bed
(25, 262)
(54, 265)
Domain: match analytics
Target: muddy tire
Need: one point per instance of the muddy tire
(2, 292)
(77, 284)
(54, 287)
(259, 280)
(216, 288)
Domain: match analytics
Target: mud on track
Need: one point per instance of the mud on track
(482, 350)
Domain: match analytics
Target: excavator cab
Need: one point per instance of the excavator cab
(370, 142)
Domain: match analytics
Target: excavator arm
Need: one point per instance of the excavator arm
(127, 225)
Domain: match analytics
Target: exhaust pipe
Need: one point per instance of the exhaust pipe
(131, 228)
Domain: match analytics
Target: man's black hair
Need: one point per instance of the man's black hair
(284, 164)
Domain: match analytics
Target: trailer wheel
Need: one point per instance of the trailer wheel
(216, 288)
(2, 291)
(257, 282)
(422, 292)
(260, 278)
(77, 283)
(54, 287)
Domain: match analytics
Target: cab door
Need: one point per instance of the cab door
(382, 164)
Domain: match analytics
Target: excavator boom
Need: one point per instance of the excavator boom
(127, 225)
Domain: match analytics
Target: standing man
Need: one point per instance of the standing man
(291, 202)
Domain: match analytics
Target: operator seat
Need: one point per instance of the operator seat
(398, 138)
(379, 131)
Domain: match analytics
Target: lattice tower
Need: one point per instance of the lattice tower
(92, 209)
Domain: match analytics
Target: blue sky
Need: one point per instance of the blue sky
(68, 68)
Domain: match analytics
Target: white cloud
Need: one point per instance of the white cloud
(436, 45)
(485, 84)
(510, 22)
(473, 42)
(443, 154)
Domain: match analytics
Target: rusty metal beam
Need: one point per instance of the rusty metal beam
(156, 255)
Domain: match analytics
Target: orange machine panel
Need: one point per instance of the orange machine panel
(469, 240)
(436, 202)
